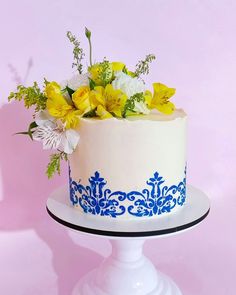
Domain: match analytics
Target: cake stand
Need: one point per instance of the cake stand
(127, 271)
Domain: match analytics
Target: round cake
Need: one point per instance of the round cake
(125, 142)
(130, 168)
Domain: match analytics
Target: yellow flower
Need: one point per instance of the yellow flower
(71, 119)
(109, 100)
(117, 66)
(56, 104)
(81, 99)
(161, 96)
(148, 98)
(101, 73)
(52, 89)
(103, 113)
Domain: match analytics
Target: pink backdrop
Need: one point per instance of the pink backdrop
(196, 52)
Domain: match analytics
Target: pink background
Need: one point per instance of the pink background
(194, 42)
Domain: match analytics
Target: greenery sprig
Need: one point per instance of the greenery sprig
(105, 72)
(54, 166)
(32, 96)
(142, 67)
(130, 103)
(77, 52)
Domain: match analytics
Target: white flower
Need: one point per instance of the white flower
(127, 84)
(53, 133)
(76, 81)
(141, 107)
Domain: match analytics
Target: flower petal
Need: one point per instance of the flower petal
(103, 113)
(51, 138)
(69, 141)
(166, 108)
(43, 118)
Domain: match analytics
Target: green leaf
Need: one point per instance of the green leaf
(130, 103)
(90, 114)
(32, 125)
(70, 91)
(92, 84)
(30, 131)
(54, 166)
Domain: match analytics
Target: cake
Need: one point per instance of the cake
(125, 143)
(129, 168)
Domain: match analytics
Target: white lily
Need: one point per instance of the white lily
(53, 134)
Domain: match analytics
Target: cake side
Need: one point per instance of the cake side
(130, 168)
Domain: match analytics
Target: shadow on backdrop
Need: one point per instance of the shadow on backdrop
(24, 192)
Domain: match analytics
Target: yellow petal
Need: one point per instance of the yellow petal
(72, 119)
(161, 91)
(166, 108)
(131, 74)
(58, 106)
(97, 96)
(117, 66)
(148, 98)
(52, 89)
(81, 99)
(103, 113)
(115, 100)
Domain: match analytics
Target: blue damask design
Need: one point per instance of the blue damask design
(95, 199)
(155, 200)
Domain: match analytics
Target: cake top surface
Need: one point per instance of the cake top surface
(152, 116)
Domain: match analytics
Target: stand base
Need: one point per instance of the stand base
(87, 286)
(126, 272)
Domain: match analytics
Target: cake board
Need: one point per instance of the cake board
(127, 271)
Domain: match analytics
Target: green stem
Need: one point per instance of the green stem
(90, 51)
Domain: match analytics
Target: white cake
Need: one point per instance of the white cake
(130, 168)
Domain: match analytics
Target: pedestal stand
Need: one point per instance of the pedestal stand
(127, 271)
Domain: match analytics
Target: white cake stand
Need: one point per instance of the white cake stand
(127, 271)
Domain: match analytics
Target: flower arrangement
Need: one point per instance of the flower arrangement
(106, 90)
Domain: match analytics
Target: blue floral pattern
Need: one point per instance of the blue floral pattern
(156, 199)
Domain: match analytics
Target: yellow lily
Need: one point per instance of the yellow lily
(148, 98)
(71, 119)
(56, 104)
(103, 113)
(160, 99)
(109, 101)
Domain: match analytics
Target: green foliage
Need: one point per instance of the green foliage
(30, 130)
(32, 96)
(90, 114)
(130, 104)
(105, 72)
(77, 52)
(142, 67)
(92, 84)
(70, 91)
(54, 166)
